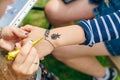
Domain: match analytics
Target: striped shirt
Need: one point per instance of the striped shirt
(101, 29)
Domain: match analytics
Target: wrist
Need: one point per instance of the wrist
(47, 38)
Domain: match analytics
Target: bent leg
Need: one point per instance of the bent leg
(59, 13)
(82, 58)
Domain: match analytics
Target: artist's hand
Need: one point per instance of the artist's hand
(44, 47)
(11, 35)
(27, 61)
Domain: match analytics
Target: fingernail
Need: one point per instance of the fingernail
(25, 32)
(30, 41)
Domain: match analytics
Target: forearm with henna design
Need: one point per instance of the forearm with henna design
(53, 36)
(64, 36)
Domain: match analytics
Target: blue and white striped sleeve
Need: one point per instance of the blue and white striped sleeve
(101, 29)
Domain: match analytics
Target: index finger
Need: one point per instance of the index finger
(23, 53)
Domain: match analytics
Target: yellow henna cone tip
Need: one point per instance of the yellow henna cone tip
(37, 41)
(12, 54)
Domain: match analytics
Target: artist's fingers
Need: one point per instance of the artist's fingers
(27, 27)
(30, 65)
(21, 57)
(18, 45)
(19, 32)
(7, 45)
(34, 66)
(30, 59)
(13, 33)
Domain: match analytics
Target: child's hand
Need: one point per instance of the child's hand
(11, 35)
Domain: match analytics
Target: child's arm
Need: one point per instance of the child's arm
(101, 29)
(87, 32)
(54, 38)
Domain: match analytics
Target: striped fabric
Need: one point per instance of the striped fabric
(101, 29)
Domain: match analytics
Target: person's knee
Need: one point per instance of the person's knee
(54, 10)
(51, 10)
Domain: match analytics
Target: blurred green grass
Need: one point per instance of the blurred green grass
(37, 18)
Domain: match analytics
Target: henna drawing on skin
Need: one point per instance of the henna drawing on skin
(55, 36)
(47, 33)
(46, 36)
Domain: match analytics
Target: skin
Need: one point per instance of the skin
(24, 65)
(10, 36)
(63, 41)
(60, 14)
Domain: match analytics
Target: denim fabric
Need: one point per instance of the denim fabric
(38, 74)
(112, 46)
(95, 1)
